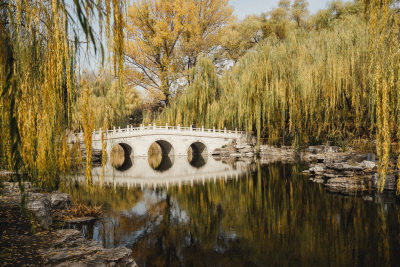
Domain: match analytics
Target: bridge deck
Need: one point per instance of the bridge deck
(130, 131)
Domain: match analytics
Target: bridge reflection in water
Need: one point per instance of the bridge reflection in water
(164, 171)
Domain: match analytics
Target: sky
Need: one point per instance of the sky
(242, 8)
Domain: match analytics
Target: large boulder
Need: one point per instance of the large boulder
(59, 200)
(69, 248)
(348, 185)
(40, 207)
(368, 164)
(317, 169)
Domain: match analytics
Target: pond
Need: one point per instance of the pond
(238, 214)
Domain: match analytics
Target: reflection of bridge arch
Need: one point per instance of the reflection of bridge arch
(182, 172)
(197, 154)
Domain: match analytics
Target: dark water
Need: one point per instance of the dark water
(272, 216)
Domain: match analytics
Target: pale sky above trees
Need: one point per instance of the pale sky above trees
(242, 8)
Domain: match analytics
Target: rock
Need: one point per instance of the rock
(13, 188)
(368, 164)
(66, 236)
(317, 169)
(117, 256)
(59, 200)
(242, 146)
(390, 182)
(331, 149)
(314, 149)
(341, 167)
(371, 157)
(317, 180)
(347, 185)
(246, 150)
(329, 175)
(40, 207)
(69, 248)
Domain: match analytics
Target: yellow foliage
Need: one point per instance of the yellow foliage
(38, 80)
(165, 38)
(384, 68)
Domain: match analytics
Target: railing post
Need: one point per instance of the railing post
(202, 128)
(119, 129)
(190, 128)
(236, 131)
(179, 127)
(154, 126)
(166, 126)
(114, 129)
(214, 129)
(224, 129)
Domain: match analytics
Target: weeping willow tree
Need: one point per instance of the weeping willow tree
(201, 96)
(384, 19)
(289, 90)
(38, 47)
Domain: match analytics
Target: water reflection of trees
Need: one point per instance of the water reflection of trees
(274, 217)
(114, 199)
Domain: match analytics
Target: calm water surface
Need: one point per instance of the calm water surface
(253, 215)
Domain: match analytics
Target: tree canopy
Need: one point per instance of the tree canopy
(165, 39)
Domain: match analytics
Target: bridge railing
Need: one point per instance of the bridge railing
(142, 128)
(179, 128)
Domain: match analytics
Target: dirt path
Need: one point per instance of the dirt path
(18, 245)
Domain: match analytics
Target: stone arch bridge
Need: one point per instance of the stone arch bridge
(173, 140)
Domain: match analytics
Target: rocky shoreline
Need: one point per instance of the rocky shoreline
(349, 173)
(55, 247)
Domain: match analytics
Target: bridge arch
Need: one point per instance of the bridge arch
(197, 154)
(198, 147)
(120, 157)
(161, 155)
